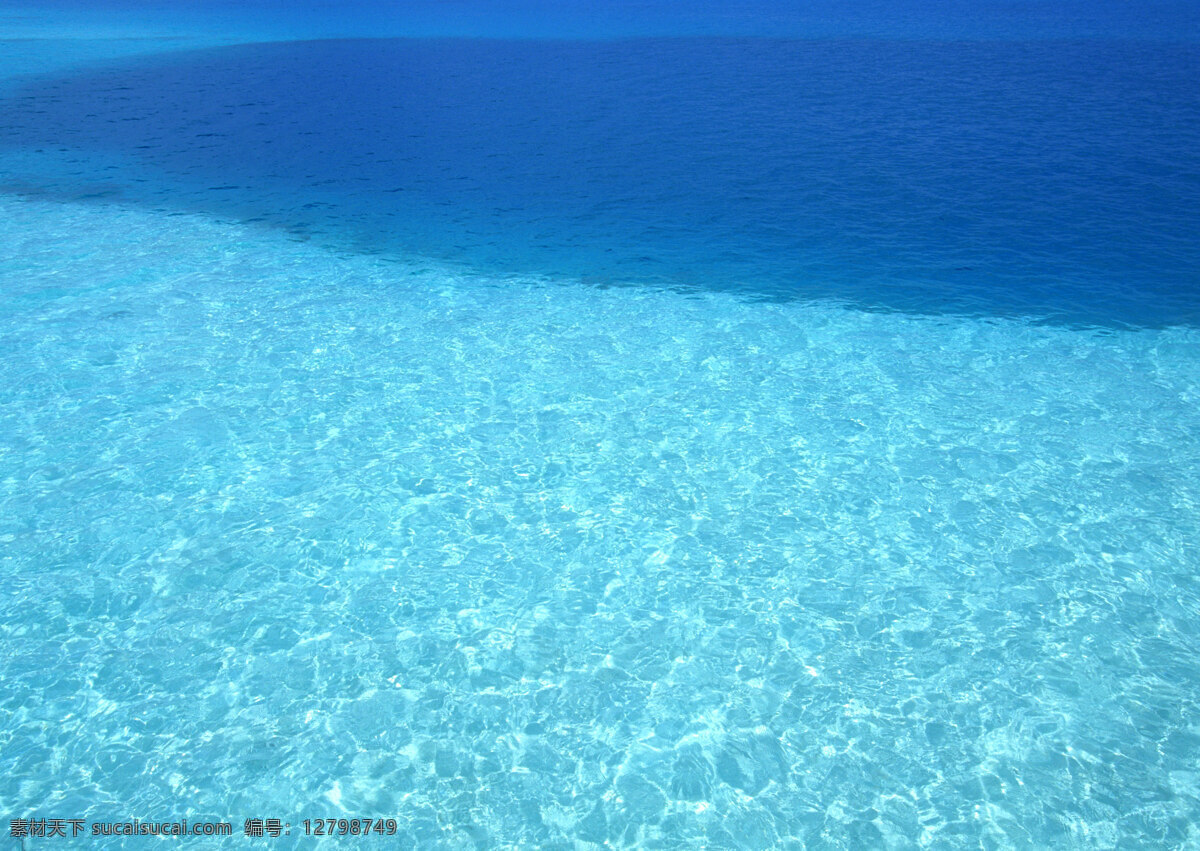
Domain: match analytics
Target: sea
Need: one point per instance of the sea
(571, 425)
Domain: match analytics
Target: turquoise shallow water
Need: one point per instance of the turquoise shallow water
(838, 491)
(297, 535)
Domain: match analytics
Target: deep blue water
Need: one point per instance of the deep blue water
(1056, 179)
(1011, 20)
(913, 19)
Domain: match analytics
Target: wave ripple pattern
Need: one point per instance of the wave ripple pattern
(518, 561)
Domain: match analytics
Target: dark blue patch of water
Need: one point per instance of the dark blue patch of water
(1052, 179)
(273, 20)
